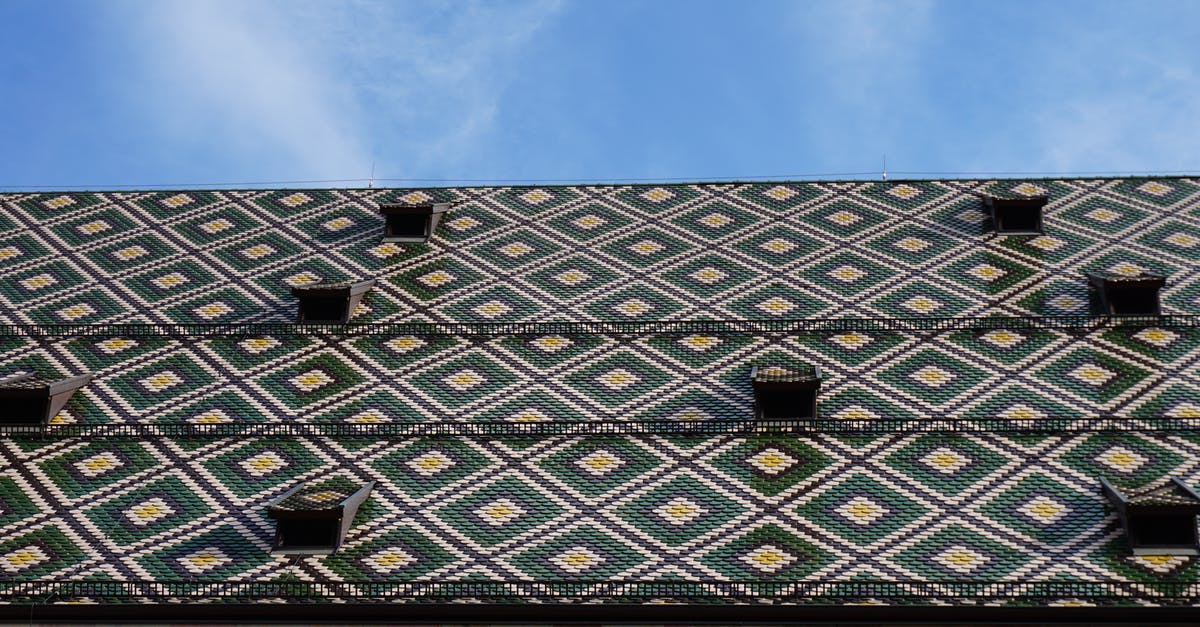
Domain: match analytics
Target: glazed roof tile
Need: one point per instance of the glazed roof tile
(671, 252)
(906, 504)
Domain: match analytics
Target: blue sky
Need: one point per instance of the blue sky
(159, 92)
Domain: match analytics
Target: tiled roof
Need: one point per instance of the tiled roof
(689, 252)
(925, 468)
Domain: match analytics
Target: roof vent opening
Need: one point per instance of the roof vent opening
(314, 519)
(1168, 530)
(329, 303)
(30, 401)
(1127, 295)
(306, 534)
(785, 392)
(411, 223)
(1158, 520)
(1022, 215)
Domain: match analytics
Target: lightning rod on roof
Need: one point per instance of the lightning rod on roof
(885, 166)
(371, 181)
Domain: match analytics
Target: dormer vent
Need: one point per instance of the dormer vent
(314, 519)
(1127, 295)
(411, 223)
(329, 303)
(1016, 215)
(785, 392)
(1159, 520)
(30, 401)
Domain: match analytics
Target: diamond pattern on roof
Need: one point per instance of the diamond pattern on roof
(719, 508)
(477, 504)
(953, 373)
(762, 233)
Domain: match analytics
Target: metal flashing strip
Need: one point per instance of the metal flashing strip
(616, 327)
(801, 592)
(403, 430)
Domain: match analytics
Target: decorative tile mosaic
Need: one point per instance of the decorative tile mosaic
(1017, 508)
(711, 251)
(964, 375)
(723, 508)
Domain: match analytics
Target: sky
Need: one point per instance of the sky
(185, 93)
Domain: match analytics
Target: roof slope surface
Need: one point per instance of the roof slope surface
(991, 504)
(680, 252)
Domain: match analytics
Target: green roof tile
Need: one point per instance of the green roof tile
(905, 499)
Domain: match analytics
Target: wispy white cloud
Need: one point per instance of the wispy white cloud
(864, 62)
(312, 89)
(866, 41)
(323, 89)
(975, 87)
(435, 75)
(234, 74)
(1120, 110)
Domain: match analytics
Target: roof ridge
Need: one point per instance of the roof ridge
(969, 177)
